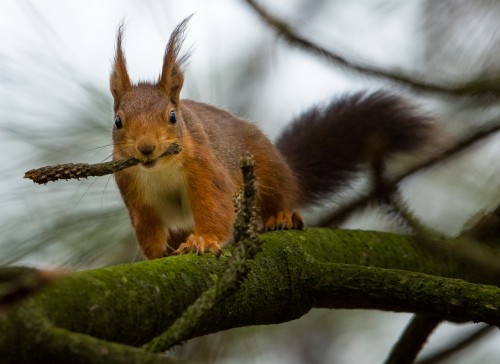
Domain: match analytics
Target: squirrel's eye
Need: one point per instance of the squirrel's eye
(172, 118)
(118, 122)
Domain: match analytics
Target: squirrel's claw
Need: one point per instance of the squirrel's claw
(284, 221)
(199, 245)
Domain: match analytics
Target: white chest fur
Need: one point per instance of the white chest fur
(165, 189)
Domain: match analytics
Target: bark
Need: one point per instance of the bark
(132, 304)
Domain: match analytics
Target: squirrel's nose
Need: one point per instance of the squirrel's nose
(146, 149)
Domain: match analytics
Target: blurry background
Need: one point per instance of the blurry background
(55, 107)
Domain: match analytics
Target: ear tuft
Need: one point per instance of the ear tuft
(119, 80)
(172, 75)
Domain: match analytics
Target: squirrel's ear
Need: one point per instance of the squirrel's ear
(119, 81)
(172, 75)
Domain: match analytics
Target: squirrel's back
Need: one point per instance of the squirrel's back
(230, 138)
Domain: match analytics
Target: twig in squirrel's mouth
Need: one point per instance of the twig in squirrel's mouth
(84, 170)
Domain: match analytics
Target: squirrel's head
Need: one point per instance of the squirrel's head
(147, 115)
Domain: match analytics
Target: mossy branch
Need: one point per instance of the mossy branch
(84, 170)
(295, 271)
(45, 342)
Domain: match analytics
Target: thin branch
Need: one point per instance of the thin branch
(458, 346)
(484, 226)
(85, 170)
(485, 87)
(341, 213)
(413, 339)
(246, 246)
(457, 148)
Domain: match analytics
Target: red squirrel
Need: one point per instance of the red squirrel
(184, 203)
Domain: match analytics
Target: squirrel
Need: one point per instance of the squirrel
(184, 203)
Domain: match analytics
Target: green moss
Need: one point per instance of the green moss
(146, 296)
(294, 272)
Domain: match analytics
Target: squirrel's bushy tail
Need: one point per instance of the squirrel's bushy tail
(325, 146)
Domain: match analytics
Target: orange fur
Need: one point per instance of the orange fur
(184, 203)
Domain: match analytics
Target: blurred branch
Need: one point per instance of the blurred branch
(472, 253)
(19, 283)
(468, 252)
(476, 88)
(484, 226)
(460, 345)
(413, 339)
(363, 199)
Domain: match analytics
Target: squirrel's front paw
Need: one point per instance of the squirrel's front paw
(199, 244)
(285, 221)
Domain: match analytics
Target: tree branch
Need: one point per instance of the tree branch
(476, 88)
(413, 339)
(483, 258)
(296, 271)
(42, 341)
(84, 170)
(362, 200)
(460, 345)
